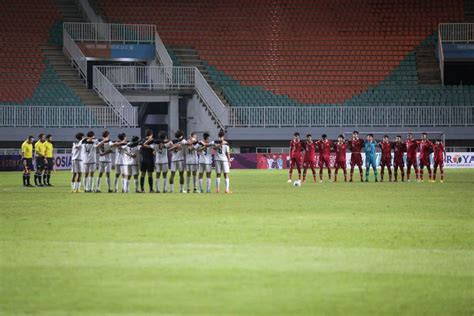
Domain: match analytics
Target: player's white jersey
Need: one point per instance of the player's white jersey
(119, 152)
(77, 151)
(178, 154)
(221, 153)
(161, 154)
(191, 154)
(205, 155)
(131, 155)
(90, 152)
(106, 147)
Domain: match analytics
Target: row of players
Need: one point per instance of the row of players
(303, 154)
(147, 156)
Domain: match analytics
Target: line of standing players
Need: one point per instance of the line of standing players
(135, 157)
(303, 156)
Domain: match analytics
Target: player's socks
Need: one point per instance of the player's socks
(28, 179)
(78, 186)
(171, 187)
(188, 182)
(116, 183)
(150, 183)
(208, 185)
(135, 182)
(123, 185)
(157, 184)
(107, 179)
(98, 183)
(86, 184)
(142, 183)
(91, 184)
(181, 188)
(218, 184)
(227, 184)
(200, 185)
(73, 186)
(164, 185)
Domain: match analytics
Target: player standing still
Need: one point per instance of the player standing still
(48, 153)
(296, 146)
(105, 161)
(439, 156)
(355, 145)
(324, 145)
(191, 162)
(341, 148)
(386, 160)
(147, 165)
(411, 145)
(222, 159)
(205, 162)
(309, 157)
(398, 153)
(370, 157)
(425, 146)
(40, 159)
(76, 163)
(90, 161)
(177, 160)
(27, 160)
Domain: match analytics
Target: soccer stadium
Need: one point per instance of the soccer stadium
(273, 157)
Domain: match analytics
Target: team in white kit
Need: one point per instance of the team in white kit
(190, 157)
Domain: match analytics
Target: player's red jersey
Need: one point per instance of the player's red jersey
(386, 148)
(310, 151)
(356, 145)
(325, 148)
(399, 151)
(411, 146)
(295, 149)
(341, 152)
(425, 147)
(438, 151)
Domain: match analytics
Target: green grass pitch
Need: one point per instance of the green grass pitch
(269, 248)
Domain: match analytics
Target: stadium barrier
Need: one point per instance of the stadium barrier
(12, 162)
(67, 116)
(341, 116)
(113, 98)
(149, 77)
(78, 59)
(111, 32)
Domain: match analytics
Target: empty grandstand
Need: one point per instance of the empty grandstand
(258, 69)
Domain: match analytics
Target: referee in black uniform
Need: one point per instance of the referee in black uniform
(147, 162)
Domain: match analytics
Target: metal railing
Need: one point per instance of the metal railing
(111, 32)
(89, 12)
(456, 32)
(163, 55)
(66, 116)
(339, 116)
(78, 60)
(149, 77)
(441, 57)
(214, 105)
(116, 101)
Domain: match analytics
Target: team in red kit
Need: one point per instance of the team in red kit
(303, 155)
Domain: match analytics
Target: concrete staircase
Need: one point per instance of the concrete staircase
(54, 54)
(189, 57)
(427, 65)
(469, 11)
(70, 12)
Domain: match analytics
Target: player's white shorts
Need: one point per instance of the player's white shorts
(129, 170)
(76, 166)
(90, 167)
(192, 168)
(177, 166)
(161, 167)
(222, 167)
(105, 166)
(204, 168)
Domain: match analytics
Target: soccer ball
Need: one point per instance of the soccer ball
(297, 183)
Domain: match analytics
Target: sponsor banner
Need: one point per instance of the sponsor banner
(134, 51)
(246, 161)
(243, 161)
